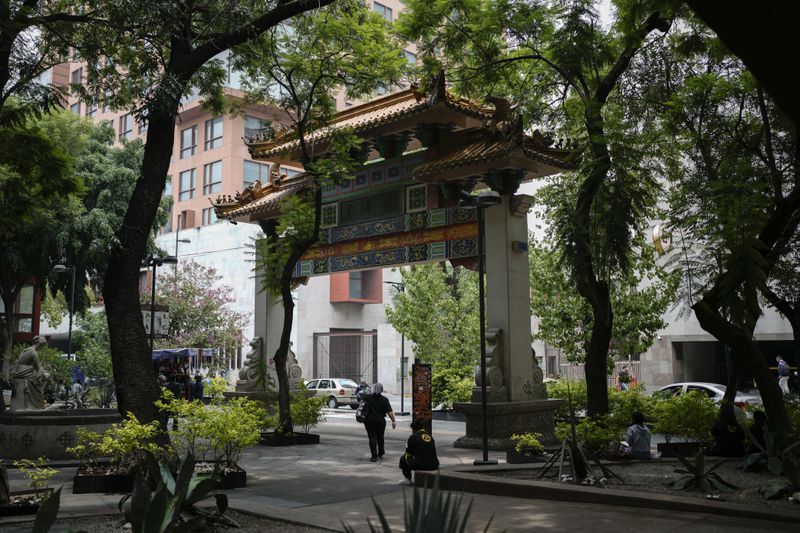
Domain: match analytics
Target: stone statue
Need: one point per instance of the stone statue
(539, 391)
(293, 369)
(495, 388)
(28, 378)
(248, 374)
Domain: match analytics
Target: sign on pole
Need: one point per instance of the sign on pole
(421, 395)
(161, 324)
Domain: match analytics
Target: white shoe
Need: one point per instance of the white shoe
(404, 481)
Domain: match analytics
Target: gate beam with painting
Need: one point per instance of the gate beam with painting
(422, 148)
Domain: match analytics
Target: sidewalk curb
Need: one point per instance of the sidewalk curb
(465, 480)
(280, 515)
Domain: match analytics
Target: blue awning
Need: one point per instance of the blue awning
(176, 353)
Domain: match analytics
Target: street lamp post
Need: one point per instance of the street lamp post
(400, 286)
(156, 261)
(178, 240)
(60, 269)
(482, 201)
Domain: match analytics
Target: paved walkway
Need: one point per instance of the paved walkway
(325, 484)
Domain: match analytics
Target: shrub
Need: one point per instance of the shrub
(451, 385)
(689, 416)
(191, 435)
(306, 412)
(233, 426)
(217, 388)
(564, 390)
(622, 404)
(598, 433)
(793, 409)
(528, 443)
(37, 472)
(127, 443)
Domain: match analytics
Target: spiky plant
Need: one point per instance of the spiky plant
(698, 475)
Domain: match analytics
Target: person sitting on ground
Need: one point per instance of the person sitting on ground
(728, 434)
(757, 431)
(638, 437)
(420, 452)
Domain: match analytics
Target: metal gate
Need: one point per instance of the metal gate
(346, 354)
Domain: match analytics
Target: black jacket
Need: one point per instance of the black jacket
(422, 449)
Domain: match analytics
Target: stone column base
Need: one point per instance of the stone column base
(506, 419)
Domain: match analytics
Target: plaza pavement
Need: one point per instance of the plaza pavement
(325, 484)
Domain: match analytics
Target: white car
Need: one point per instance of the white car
(336, 391)
(715, 391)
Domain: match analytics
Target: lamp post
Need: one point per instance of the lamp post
(400, 286)
(60, 269)
(177, 240)
(482, 201)
(155, 261)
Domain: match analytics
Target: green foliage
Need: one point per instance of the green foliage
(51, 361)
(793, 410)
(528, 443)
(430, 510)
(216, 389)
(37, 472)
(306, 410)
(565, 318)
(94, 356)
(622, 405)
(170, 507)
(48, 513)
(127, 444)
(199, 308)
(689, 416)
(598, 433)
(438, 312)
(565, 389)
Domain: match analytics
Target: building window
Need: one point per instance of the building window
(22, 311)
(91, 108)
(355, 290)
(126, 126)
(77, 76)
(142, 126)
(255, 171)
(76, 108)
(375, 207)
(106, 106)
(187, 185)
(290, 173)
(213, 133)
(209, 216)
(212, 177)
(255, 127)
(188, 142)
(383, 10)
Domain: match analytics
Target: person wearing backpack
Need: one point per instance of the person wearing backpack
(376, 407)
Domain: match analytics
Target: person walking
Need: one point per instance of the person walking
(376, 408)
(624, 378)
(420, 452)
(783, 374)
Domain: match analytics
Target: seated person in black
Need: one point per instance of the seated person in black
(728, 434)
(420, 452)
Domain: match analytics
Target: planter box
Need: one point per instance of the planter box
(232, 479)
(513, 457)
(102, 483)
(295, 439)
(673, 449)
(22, 508)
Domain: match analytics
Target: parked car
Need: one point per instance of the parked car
(715, 391)
(337, 391)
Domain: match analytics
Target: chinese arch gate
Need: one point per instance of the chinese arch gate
(422, 149)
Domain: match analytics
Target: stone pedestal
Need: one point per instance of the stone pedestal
(506, 419)
(49, 432)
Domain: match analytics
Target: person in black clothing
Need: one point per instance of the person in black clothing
(728, 434)
(420, 452)
(376, 408)
(175, 388)
(757, 431)
(197, 389)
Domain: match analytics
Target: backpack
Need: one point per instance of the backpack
(362, 411)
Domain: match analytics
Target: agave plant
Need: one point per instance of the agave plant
(779, 448)
(698, 475)
(433, 511)
(170, 508)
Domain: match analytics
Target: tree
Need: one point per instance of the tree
(638, 300)
(150, 55)
(344, 45)
(782, 291)
(199, 312)
(764, 36)
(559, 53)
(437, 310)
(732, 161)
(94, 355)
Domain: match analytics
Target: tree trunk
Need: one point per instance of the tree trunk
(596, 367)
(285, 424)
(751, 357)
(134, 376)
(734, 378)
